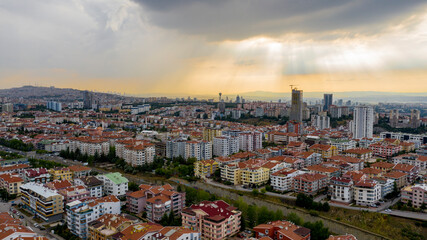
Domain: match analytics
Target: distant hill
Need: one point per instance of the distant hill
(53, 93)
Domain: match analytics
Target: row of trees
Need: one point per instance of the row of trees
(307, 202)
(36, 163)
(17, 144)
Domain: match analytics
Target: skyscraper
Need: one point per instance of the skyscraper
(296, 107)
(87, 100)
(363, 122)
(327, 101)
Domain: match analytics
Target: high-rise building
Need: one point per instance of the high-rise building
(296, 107)
(238, 99)
(327, 101)
(55, 106)
(7, 107)
(363, 122)
(415, 118)
(394, 117)
(87, 99)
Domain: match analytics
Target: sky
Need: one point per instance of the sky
(201, 47)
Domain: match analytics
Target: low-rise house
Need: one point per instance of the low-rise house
(18, 232)
(367, 192)
(114, 184)
(11, 183)
(92, 184)
(79, 171)
(45, 203)
(310, 183)
(416, 194)
(282, 230)
(214, 220)
(283, 180)
(341, 189)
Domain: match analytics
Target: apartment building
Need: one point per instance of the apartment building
(90, 146)
(310, 158)
(11, 183)
(210, 133)
(367, 192)
(114, 184)
(157, 200)
(250, 141)
(205, 168)
(214, 220)
(43, 202)
(384, 149)
(283, 179)
(341, 189)
(61, 173)
(225, 145)
(178, 233)
(254, 176)
(328, 171)
(310, 183)
(281, 230)
(80, 214)
(416, 194)
(387, 185)
(92, 184)
(74, 193)
(107, 225)
(355, 163)
(413, 160)
(14, 169)
(343, 145)
(383, 166)
(231, 173)
(327, 151)
(411, 171)
(138, 155)
(58, 184)
(200, 150)
(400, 178)
(79, 171)
(37, 175)
(361, 153)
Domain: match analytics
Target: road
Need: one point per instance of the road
(139, 180)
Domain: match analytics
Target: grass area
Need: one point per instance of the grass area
(389, 226)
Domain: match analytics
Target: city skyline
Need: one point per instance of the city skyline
(199, 48)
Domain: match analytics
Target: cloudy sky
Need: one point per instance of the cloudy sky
(208, 46)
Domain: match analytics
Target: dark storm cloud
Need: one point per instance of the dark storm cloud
(239, 19)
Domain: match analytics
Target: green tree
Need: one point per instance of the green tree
(132, 186)
(293, 217)
(264, 215)
(318, 231)
(278, 215)
(252, 217)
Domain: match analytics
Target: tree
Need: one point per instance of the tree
(264, 215)
(278, 215)
(255, 192)
(318, 231)
(252, 215)
(242, 223)
(132, 186)
(293, 217)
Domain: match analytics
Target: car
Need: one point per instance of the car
(36, 225)
(387, 210)
(21, 217)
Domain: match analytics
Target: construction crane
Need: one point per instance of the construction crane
(293, 86)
